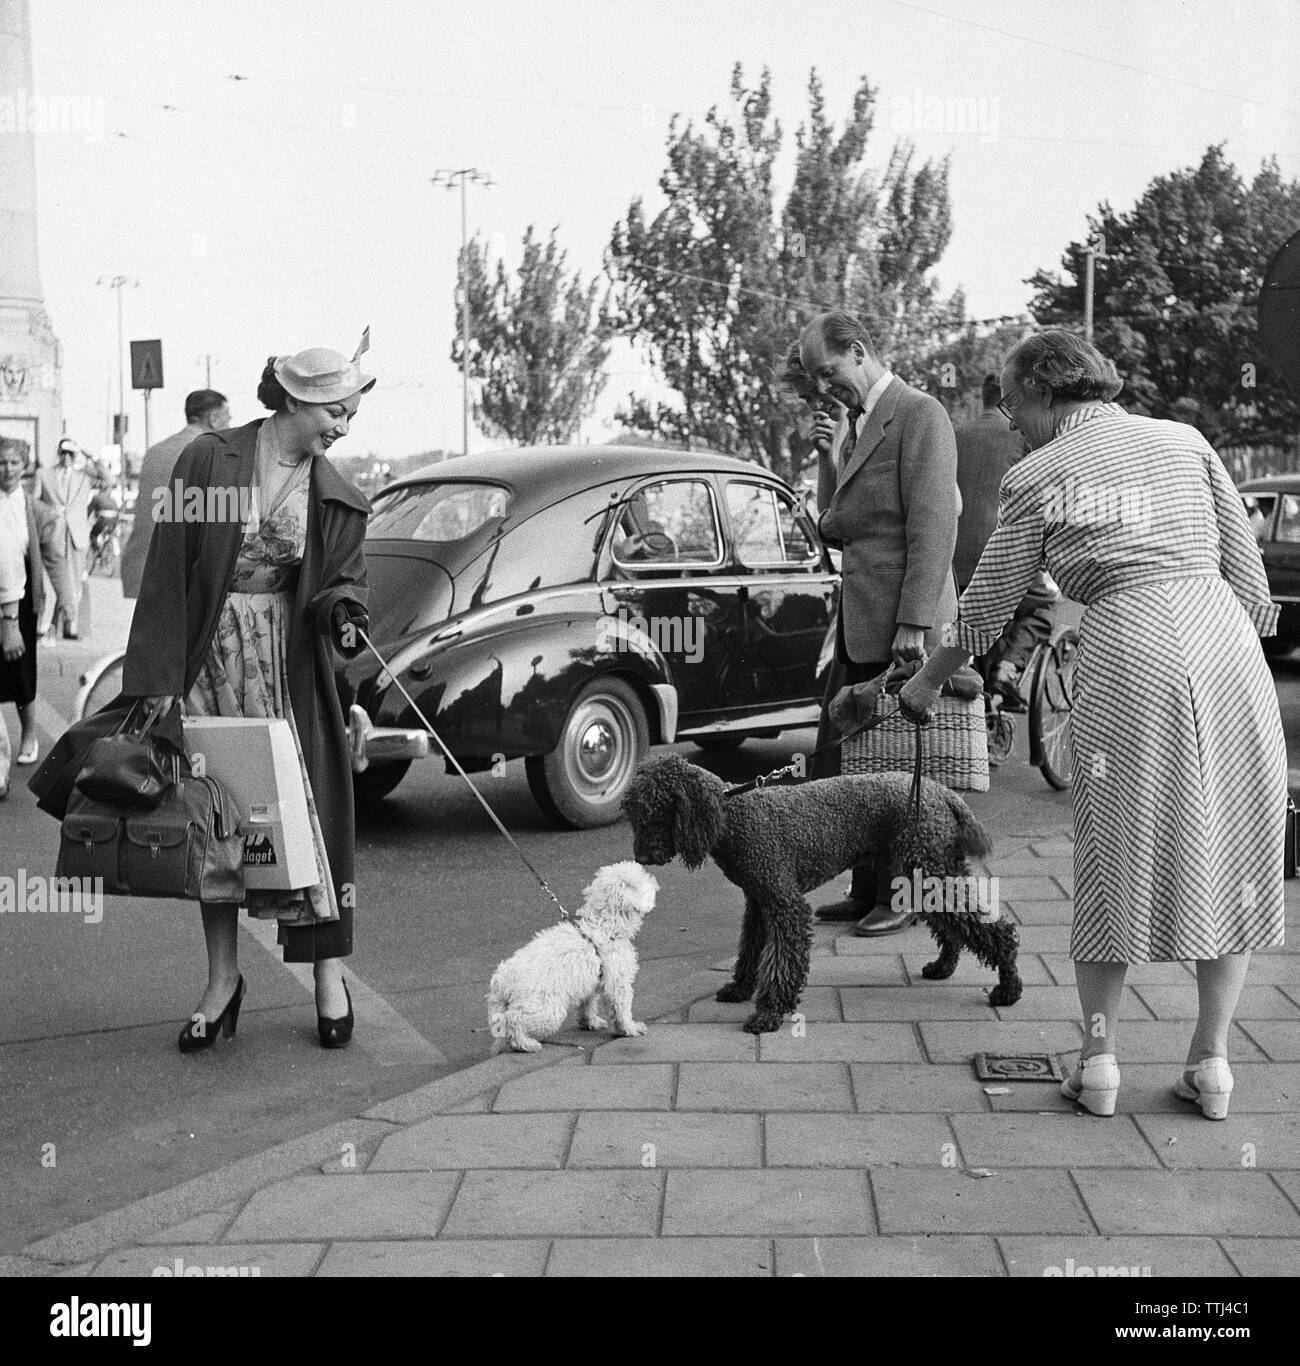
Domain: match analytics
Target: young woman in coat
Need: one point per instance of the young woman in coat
(242, 612)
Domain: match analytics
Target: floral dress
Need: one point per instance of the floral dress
(246, 669)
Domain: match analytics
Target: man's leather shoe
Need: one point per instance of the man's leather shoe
(882, 920)
(848, 909)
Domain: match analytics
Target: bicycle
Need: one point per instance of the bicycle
(1047, 688)
(100, 684)
(105, 549)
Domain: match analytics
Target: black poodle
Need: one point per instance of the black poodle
(776, 843)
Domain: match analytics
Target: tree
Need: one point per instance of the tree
(718, 284)
(539, 344)
(954, 365)
(1175, 298)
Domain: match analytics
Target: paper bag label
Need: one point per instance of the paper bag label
(258, 849)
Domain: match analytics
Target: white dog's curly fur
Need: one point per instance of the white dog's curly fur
(533, 991)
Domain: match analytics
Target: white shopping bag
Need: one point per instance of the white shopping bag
(256, 762)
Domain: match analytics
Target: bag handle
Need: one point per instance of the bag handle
(125, 725)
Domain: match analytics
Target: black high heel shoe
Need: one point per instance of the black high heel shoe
(200, 1034)
(336, 1033)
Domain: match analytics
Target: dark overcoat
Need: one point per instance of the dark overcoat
(186, 578)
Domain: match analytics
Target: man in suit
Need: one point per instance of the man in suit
(889, 488)
(205, 411)
(986, 449)
(68, 489)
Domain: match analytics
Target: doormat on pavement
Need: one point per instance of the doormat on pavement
(1021, 1067)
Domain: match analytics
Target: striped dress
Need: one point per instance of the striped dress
(1179, 760)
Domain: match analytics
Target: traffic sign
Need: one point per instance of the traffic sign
(146, 365)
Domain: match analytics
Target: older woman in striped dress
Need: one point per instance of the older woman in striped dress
(1179, 758)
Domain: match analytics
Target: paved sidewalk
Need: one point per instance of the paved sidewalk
(855, 1142)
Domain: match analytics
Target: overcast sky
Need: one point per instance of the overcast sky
(292, 206)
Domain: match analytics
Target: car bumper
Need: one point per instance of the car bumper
(371, 744)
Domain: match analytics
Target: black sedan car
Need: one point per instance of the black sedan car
(1273, 506)
(572, 606)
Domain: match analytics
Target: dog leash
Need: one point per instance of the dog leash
(541, 881)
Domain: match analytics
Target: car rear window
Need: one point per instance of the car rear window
(443, 512)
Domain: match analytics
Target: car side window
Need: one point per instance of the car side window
(1259, 509)
(673, 522)
(1288, 526)
(766, 526)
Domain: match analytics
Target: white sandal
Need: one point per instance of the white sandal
(1210, 1087)
(1095, 1084)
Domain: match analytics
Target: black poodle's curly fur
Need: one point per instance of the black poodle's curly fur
(776, 843)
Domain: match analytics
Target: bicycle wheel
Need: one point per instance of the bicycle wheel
(1051, 700)
(1002, 733)
(100, 684)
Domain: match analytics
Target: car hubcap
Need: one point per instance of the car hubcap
(602, 748)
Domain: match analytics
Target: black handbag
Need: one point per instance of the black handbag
(1291, 846)
(189, 846)
(130, 767)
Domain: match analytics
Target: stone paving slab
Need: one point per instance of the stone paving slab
(1210, 1202)
(385, 1205)
(1028, 912)
(661, 1257)
(1062, 1003)
(458, 1142)
(1264, 1256)
(1256, 1003)
(860, 1140)
(929, 1254)
(1144, 1041)
(203, 1228)
(1050, 848)
(971, 972)
(944, 1200)
(816, 1003)
(960, 1042)
(767, 1202)
(1076, 1257)
(1290, 1183)
(1044, 939)
(1064, 1140)
(1061, 967)
(1030, 865)
(677, 1138)
(682, 1043)
(761, 1086)
(905, 1088)
(1274, 969)
(1268, 1142)
(935, 1001)
(857, 970)
(525, 1204)
(647, 1087)
(1041, 888)
(1280, 1040)
(869, 1042)
(429, 1257)
(226, 1259)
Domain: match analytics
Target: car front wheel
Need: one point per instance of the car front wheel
(378, 780)
(581, 782)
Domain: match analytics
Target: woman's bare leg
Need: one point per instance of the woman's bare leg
(330, 1000)
(1101, 985)
(1218, 989)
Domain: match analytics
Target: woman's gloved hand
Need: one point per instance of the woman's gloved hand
(349, 619)
(854, 705)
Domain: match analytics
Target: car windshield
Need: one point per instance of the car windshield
(438, 512)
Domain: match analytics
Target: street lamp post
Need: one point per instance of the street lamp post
(1095, 251)
(450, 179)
(207, 359)
(118, 283)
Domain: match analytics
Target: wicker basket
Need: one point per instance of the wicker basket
(954, 745)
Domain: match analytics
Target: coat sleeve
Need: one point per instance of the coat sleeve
(1006, 570)
(344, 579)
(160, 626)
(927, 476)
(1240, 561)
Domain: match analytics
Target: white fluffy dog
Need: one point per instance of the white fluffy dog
(575, 963)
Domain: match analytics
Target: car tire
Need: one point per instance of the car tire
(605, 736)
(723, 741)
(1275, 647)
(377, 781)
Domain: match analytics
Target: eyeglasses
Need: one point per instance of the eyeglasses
(1005, 411)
